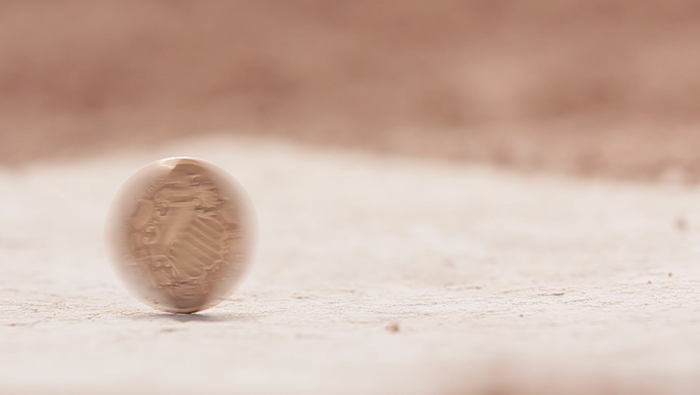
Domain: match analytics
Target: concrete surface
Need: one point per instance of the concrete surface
(376, 274)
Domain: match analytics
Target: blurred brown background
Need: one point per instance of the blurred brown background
(578, 86)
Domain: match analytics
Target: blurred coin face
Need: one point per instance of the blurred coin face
(181, 234)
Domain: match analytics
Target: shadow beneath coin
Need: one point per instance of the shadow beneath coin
(190, 317)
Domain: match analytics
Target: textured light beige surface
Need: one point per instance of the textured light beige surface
(375, 275)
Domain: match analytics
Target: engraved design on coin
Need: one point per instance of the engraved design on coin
(183, 239)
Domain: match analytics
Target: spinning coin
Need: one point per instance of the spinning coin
(182, 235)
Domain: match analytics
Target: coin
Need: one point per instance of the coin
(181, 234)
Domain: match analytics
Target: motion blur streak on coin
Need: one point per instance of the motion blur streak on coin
(182, 234)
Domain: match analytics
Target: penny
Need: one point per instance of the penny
(181, 234)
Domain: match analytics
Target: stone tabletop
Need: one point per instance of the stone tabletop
(375, 274)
